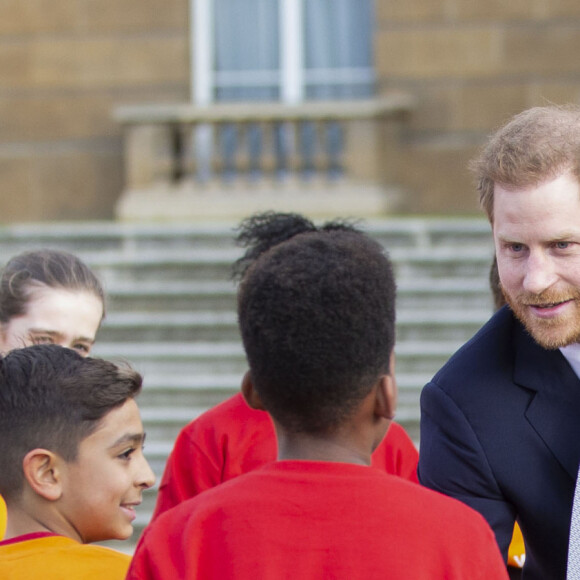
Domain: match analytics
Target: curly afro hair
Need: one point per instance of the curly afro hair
(317, 318)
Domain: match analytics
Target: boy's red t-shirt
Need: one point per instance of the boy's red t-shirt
(231, 439)
(310, 519)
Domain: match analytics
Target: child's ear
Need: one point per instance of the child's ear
(386, 400)
(250, 394)
(42, 471)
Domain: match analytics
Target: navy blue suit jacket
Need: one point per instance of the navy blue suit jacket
(500, 431)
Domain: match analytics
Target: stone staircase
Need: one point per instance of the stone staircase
(171, 309)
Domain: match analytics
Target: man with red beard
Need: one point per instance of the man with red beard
(500, 422)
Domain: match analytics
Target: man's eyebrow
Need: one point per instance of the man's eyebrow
(506, 238)
(565, 236)
(135, 438)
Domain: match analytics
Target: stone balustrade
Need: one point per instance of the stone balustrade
(225, 160)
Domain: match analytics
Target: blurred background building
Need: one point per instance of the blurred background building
(152, 111)
(152, 108)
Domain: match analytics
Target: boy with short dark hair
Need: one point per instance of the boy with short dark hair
(231, 438)
(317, 318)
(73, 471)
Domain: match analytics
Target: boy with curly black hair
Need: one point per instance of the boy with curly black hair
(231, 438)
(317, 318)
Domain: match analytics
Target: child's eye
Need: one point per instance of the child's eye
(127, 454)
(82, 349)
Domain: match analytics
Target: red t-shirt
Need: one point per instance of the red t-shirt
(232, 438)
(312, 520)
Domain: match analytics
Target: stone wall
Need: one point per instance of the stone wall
(472, 64)
(66, 64)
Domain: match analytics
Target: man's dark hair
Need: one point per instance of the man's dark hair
(53, 398)
(317, 318)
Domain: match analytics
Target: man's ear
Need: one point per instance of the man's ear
(42, 471)
(250, 394)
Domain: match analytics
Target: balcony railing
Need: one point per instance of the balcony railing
(175, 153)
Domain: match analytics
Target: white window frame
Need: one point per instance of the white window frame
(292, 76)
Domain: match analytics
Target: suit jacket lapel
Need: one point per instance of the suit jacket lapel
(554, 411)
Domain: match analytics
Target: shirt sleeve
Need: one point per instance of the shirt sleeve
(189, 471)
(397, 454)
(142, 566)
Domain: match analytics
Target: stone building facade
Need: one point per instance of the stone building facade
(66, 65)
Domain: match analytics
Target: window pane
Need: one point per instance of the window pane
(246, 50)
(338, 48)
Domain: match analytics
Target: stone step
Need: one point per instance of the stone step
(159, 295)
(221, 351)
(197, 256)
(187, 326)
(413, 266)
(404, 231)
